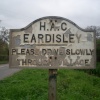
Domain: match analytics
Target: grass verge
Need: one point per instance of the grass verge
(32, 84)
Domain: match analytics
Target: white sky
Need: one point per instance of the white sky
(19, 13)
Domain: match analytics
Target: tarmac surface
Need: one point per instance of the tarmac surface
(5, 71)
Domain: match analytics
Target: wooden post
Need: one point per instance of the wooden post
(52, 84)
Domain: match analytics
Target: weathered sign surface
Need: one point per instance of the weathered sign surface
(52, 42)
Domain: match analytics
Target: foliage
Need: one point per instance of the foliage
(98, 50)
(4, 51)
(3, 62)
(4, 34)
(4, 40)
(26, 85)
(4, 58)
(95, 71)
(95, 28)
(30, 84)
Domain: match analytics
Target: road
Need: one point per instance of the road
(5, 71)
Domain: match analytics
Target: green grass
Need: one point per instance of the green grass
(32, 84)
(95, 71)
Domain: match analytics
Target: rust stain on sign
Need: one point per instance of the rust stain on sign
(52, 42)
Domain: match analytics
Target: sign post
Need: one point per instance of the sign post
(52, 43)
(52, 84)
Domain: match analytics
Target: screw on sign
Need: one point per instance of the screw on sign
(52, 43)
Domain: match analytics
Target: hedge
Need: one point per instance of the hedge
(4, 57)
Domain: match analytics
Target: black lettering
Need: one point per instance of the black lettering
(19, 60)
(82, 51)
(32, 51)
(77, 52)
(55, 52)
(78, 37)
(40, 37)
(42, 26)
(13, 51)
(53, 38)
(23, 51)
(52, 26)
(87, 53)
(27, 52)
(18, 53)
(47, 38)
(71, 37)
(58, 36)
(81, 62)
(64, 41)
(49, 52)
(68, 51)
(43, 51)
(86, 61)
(24, 62)
(63, 26)
(91, 52)
(33, 38)
(72, 53)
(26, 38)
(29, 62)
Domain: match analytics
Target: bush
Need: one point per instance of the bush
(98, 50)
(4, 57)
(95, 72)
(98, 54)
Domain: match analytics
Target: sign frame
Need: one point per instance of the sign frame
(45, 67)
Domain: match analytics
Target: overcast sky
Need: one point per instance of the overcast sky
(19, 13)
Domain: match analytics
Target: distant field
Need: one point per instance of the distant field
(31, 84)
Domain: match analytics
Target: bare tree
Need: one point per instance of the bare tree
(4, 34)
(95, 28)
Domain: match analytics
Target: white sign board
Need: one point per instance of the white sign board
(52, 42)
